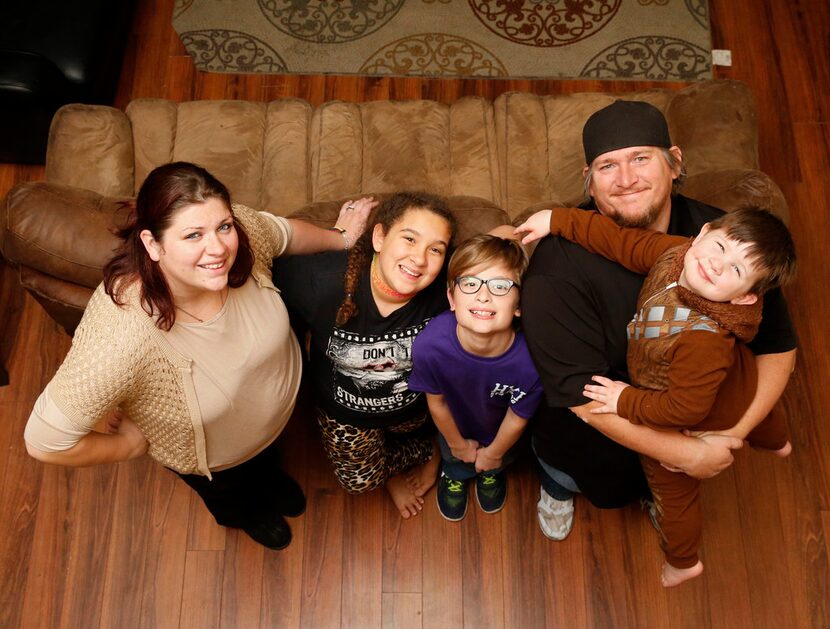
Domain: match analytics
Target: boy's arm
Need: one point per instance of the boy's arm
(698, 366)
(463, 449)
(635, 249)
(699, 457)
(490, 457)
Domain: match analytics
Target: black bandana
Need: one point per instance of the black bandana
(621, 124)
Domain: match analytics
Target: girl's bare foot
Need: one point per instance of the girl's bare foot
(421, 477)
(785, 451)
(407, 503)
(672, 576)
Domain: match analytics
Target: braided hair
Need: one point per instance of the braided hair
(388, 213)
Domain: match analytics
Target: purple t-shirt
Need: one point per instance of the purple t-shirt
(477, 389)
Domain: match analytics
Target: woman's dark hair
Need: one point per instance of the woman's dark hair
(387, 214)
(166, 189)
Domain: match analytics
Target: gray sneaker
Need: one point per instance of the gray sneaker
(556, 517)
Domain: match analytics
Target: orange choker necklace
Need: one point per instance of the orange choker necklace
(383, 287)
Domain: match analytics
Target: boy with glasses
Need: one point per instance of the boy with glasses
(477, 373)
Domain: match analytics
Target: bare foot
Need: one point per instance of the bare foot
(407, 503)
(672, 576)
(421, 477)
(785, 451)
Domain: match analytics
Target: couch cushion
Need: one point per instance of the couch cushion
(91, 147)
(384, 146)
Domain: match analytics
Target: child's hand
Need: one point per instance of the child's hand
(485, 460)
(467, 452)
(607, 392)
(536, 227)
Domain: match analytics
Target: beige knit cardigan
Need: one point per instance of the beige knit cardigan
(119, 358)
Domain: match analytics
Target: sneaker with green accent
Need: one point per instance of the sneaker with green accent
(491, 491)
(452, 498)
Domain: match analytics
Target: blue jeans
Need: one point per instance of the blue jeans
(456, 469)
(555, 482)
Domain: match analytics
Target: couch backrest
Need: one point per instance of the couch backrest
(516, 151)
(540, 137)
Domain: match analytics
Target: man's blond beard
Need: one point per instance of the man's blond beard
(645, 220)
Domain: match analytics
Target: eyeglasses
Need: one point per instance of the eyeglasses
(497, 286)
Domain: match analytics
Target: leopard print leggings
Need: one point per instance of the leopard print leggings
(365, 458)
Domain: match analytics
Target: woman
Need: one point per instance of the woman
(189, 339)
(364, 310)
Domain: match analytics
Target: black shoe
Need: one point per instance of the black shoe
(452, 498)
(290, 498)
(491, 491)
(273, 533)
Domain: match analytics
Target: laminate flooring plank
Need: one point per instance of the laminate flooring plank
(403, 549)
(322, 573)
(363, 558)
(39, 348)
(164, 561)
(724, 569)
(805, 553)
(523, 549)
(282, 572)
(565, 596)
(202, 593)
(211, 86)
(482, 561)
(606, 567)
(802, 43)
(128, 544)
(644, 559)
(19, 496)
(49, 555)
(180, 79)
(242, 581)
(442, 586)
(769, 580)
(93, 494)
(70, 547)
(282, 580)
(402, 610)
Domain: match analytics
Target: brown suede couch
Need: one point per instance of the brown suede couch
(494, 160)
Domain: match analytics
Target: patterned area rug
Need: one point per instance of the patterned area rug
(663, 40)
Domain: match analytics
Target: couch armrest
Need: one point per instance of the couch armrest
(733, 188)
(60, 231)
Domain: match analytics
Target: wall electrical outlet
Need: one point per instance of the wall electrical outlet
(721, 57)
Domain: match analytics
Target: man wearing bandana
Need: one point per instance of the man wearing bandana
(575, 308)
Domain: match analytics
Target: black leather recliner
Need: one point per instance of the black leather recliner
(54, 53)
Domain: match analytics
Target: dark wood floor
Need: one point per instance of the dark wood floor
(128, 545)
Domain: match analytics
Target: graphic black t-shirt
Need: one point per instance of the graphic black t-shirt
(360, 371)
